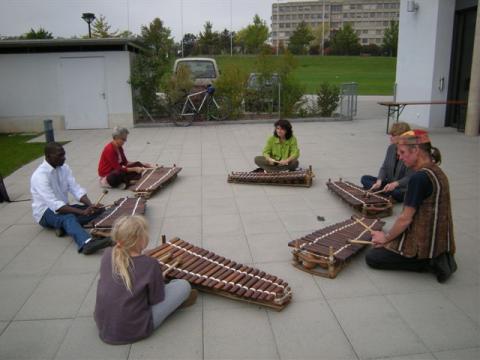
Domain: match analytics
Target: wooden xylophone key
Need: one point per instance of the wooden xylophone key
(164, 248)
(212, 268)
(264, 286)
(191, 262)
(200, 264)
(223, 273)
(247, 281)
(266, 296)
(242, 278)
(233, 277)
(254, 284)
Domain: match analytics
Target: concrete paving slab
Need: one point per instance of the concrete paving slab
(261, 223)
(312, 327)
(168, 341)
(462, 354)
(233, 246)
(351, 282)
(229, 219)
(238, 334)
(14, 292)
(436, 320)
(46, 302)
(375, 328)
(82, 342)
(269, 247)
(426, 356)
(39, 339)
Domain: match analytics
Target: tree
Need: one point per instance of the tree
(101, 29)
(255, 35)
(321, 33)
(390, 39)
(300, 39)
(41, 33)
(208, 40)
(225, 40)
(345, 41)
(158, 39)
(189, 44)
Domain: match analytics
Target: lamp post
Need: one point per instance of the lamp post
(88, 17)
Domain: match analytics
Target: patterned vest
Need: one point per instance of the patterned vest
(431, 231)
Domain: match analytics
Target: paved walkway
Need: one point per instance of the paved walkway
(47, 290)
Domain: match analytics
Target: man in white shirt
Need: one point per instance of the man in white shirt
(50, 184)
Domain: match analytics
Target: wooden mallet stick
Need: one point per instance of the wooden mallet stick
(360, 242)
(173, 265)
(363, 224)
(104, 192)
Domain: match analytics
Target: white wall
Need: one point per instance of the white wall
(424, 49)
(30, 89)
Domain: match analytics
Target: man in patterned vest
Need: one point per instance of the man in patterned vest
(422, 235)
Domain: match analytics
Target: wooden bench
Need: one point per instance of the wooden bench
(395, 108)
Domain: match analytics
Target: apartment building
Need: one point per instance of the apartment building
(369, 18)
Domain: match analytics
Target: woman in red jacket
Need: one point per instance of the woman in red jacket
(113, 168)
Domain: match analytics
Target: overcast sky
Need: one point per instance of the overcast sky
(63, 17)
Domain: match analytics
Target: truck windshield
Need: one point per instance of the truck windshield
(200, 69)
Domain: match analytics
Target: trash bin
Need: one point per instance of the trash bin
(348, 100)
(48, 128)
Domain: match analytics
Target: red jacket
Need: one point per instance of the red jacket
(112, 158)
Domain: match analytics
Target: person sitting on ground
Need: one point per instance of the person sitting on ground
(132, 299)
(113, 167)
(50, 184)
(422, 235)
(281, 151)
(393, 175)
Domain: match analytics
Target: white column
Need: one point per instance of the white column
(472, 125)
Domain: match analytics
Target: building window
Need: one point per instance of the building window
(364, 41)
(336, 7)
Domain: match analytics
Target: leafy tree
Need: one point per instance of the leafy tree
(390, 39)
(345, 41)
(208, 40)
(319, 33)
(189, 44)
(240, 39)
(41, 33)
(148, 69)
(158, 39)
(101, 29)
(255, 35)
(225, 40)
(126, 34)
(300, 39)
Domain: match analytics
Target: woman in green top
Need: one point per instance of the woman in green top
(281, 151)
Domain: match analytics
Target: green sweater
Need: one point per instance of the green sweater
(281, 151)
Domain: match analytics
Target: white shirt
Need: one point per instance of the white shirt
(50, 187)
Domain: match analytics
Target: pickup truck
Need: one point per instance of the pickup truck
(204, 70)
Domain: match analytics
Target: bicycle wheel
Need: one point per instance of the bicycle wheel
(182, 113)
(219, 108)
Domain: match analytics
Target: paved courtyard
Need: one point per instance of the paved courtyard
(47, 290)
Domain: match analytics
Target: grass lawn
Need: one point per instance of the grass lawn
(15, 152)
(374, 75)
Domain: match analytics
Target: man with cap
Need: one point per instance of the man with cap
(50, 185)
(423, 233)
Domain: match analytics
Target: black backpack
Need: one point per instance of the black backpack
(3, 191)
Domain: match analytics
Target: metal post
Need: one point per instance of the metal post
(231, 31)
(323, 28)
(181, 18)
(48, 128)
(279, 98)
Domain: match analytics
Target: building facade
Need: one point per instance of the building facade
(369, 18)
(76, 83)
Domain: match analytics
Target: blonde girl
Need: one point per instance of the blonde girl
(132, 298)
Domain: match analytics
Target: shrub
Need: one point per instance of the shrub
(328, 97)
(232, 84)
(177, 86)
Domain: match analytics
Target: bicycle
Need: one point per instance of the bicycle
(213, 108)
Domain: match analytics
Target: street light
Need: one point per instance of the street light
(88, 17)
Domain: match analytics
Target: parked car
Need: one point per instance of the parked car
(261, 94)
(204, 70)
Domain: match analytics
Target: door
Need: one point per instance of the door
(461, 65)
(83, 86)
